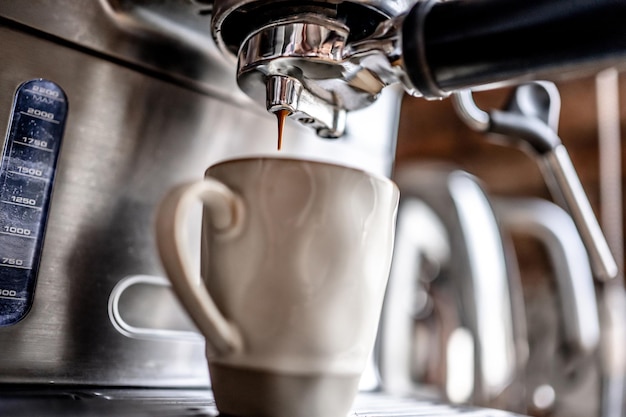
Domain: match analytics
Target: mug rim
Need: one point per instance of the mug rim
(373, 175)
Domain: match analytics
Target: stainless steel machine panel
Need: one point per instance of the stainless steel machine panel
(129, 137)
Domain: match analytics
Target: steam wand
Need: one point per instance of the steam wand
(531, 122)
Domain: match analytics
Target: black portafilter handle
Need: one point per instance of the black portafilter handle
(459, 44)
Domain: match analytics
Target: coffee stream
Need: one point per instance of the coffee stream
(281, 115)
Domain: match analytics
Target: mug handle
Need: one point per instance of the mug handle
(225, 211)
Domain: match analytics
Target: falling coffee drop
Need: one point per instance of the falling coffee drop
(281, 115)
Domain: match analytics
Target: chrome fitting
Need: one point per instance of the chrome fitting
(287, 93)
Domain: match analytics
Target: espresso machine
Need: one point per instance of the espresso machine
(147, 94)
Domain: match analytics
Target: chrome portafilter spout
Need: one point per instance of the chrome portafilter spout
(285, 93)
(304, 65)
(274, 58)
(317, 60)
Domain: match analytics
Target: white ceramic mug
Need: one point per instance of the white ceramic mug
(295, 260)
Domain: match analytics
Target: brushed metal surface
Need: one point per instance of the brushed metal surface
(171, 37)
(452, 324)
(199, 403)
(126, 139)
(129, 137)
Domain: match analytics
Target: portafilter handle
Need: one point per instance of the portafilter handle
(452, 45)
(530, 121)
(317, 64)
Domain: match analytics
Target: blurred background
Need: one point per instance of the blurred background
(591, 126)
(431, 130)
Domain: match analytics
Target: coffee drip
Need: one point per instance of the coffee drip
(281, 115)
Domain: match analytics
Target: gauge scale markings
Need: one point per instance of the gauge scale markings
(27, 171)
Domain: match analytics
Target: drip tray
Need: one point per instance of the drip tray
(18, 402)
